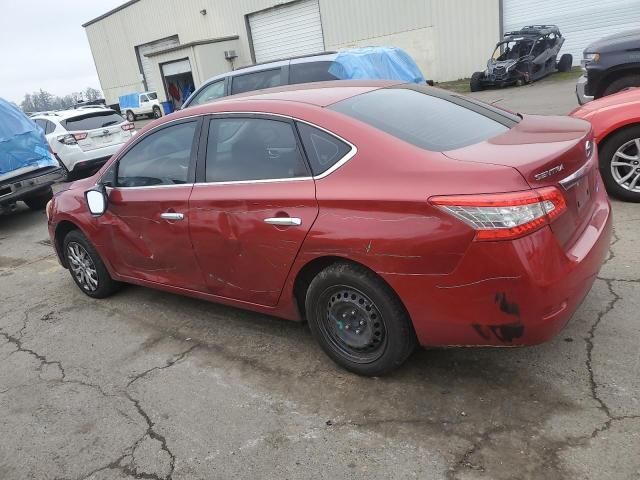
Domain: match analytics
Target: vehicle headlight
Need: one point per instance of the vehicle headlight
(590, 58)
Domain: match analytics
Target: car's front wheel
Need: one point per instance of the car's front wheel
(40, 200)
(475, 84)
(620, 164)
(623, 83)
(156, 112)
(358, 320)
(86, 266)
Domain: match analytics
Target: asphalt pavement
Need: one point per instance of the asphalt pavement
(152, 385)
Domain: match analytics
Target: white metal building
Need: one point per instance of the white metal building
(581, 21)
(163, 45)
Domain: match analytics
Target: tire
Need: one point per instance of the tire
(130, 116)
(157, 113)
(40, 200)
(358, 320)
(475, 84)
(84, 251)
(626, 141)
(565, 63)
(622, 84)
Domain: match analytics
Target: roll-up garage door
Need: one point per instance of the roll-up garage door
(146, 63)
(287, 31)
(580, 21)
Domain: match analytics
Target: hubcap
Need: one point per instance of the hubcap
(82, 267)
(625, 166)
(353, 324)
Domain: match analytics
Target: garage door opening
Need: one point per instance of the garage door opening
(178, 81)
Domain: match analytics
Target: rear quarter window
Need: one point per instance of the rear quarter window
(435, 122)
(93, 120)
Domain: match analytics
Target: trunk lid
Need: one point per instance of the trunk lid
(547, 151)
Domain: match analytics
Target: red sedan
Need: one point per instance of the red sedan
(386, 215)
(616, 126)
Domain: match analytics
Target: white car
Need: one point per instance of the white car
(85, 138)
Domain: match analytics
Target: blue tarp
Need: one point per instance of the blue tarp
(376, 63)
(130, 100)
(22, 142)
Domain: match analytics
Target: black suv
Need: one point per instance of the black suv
(611, 64)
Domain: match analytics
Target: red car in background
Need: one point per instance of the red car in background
(386, 215)
(616, 127)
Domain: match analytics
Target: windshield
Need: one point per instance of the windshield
(152, 95)
(512, 50)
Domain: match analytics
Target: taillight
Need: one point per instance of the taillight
(80, 136)
(67, 139)
(127, 126)
(504, 216)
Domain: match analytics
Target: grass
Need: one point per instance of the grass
(462, 85)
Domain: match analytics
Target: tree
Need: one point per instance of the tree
(91, 94)
(42, 100)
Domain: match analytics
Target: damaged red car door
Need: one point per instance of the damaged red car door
(148, 208)
(252, 206)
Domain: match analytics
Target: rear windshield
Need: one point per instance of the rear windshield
(93, 120)
(426, 117)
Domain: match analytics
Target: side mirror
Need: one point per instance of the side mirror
(97, 200)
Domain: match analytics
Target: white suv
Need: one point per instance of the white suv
(85, 138)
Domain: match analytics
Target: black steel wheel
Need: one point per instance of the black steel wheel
(86, 267)
(475, 84)
(352, 323)
(358, 320)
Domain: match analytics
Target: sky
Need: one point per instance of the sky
(43, 45)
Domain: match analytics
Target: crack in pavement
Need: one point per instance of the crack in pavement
(130, 467)
(168, 364)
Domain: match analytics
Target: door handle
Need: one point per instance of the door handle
(284, 221)
(174, 216)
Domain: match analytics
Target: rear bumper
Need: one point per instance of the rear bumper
(13, 191)
(514, 293)
(581, 90)
(75, 158)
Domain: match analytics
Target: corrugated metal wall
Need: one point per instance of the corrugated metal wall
(581, 21)
(449, 39)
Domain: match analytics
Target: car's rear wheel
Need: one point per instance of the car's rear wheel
(86, 266)
(621, 84)
(476, 81)
(620, 164)
(130, 116)
(40, 200)
(565, 63)
(358, 320)
(156, 112)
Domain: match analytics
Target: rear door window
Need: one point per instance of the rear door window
(93, 120)
(323, 149)
(310, 72)
(256, 81)
(50, 127)
(161, 158)
(246, 149)
(436, 122)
